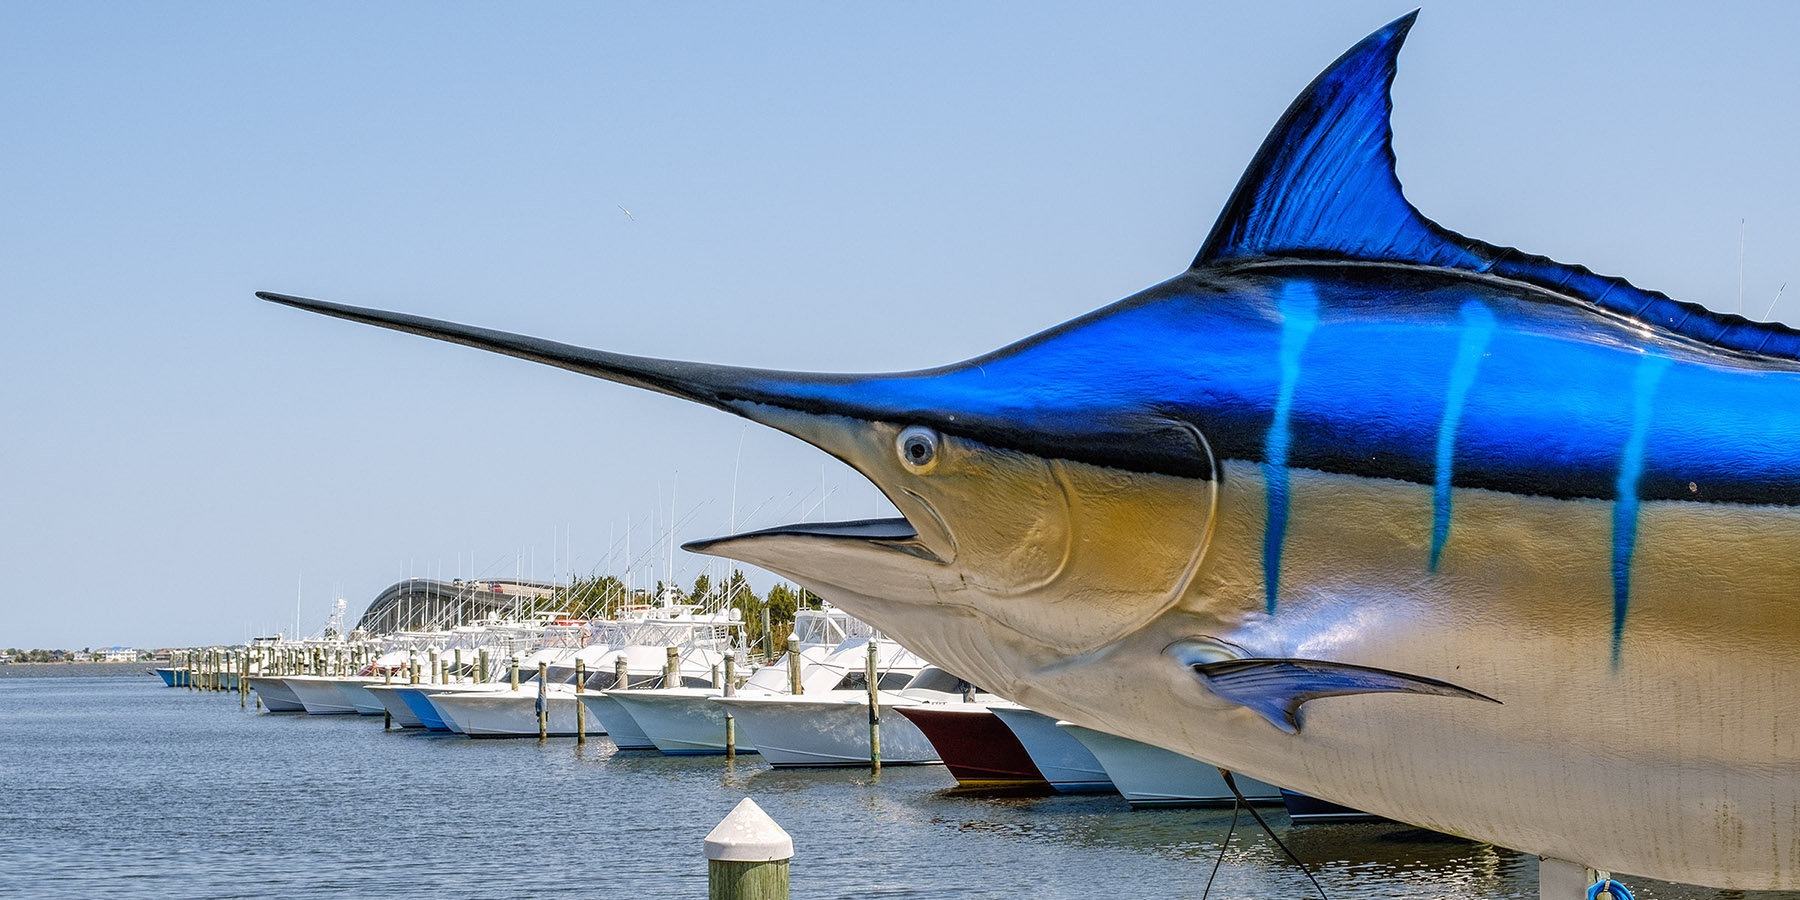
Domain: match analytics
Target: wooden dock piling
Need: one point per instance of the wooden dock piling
(580, 707)
(387, 715)
(873, 676)
(768, 638)
(543, 700)
(730, 689)
(793, 658)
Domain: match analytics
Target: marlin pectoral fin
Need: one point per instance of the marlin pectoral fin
(1275, 688)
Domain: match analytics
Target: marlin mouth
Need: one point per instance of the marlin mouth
(889, 529)
(894, 533)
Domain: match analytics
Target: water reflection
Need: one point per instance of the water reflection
(181, 794)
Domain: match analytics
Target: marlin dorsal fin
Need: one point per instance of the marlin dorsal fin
(1323, 182)
(1323, 187)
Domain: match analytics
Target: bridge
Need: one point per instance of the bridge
(418, 604)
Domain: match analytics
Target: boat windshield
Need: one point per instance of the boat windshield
(932, 678)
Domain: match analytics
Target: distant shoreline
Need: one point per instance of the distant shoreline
(77, 670)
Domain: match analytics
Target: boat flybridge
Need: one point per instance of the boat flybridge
(670, 642)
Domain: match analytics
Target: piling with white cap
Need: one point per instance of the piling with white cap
(747, 856)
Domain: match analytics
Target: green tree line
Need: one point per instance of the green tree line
(19, 655)
(605, 596)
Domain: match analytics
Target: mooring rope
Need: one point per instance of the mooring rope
(1236, 804)
(1231, 782)
(1612, 888)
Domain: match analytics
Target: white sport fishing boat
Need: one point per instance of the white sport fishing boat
(513, 683)
(1151, 776)
(336, 695)
(459, 654)
(364, 691)
(701, 643)
(701, 640)
(831, 728)
(683, 721)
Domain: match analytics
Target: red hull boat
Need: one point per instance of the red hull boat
(975, 745)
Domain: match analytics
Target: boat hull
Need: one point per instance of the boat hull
(395, 706)
(1064, 761)
(504, 714)
(680, 721)
(275, 694)
(418, 698)
(1150, 776)
(355, 692)
(319, 695)
(825, 730)
(1301, 809)
(977, 748)
(616, 722)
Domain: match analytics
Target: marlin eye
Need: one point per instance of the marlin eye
(918, 447)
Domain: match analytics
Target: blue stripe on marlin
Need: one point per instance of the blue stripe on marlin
(1478, 329)
(1650, 371)
(1299, 310)
(1187, 516)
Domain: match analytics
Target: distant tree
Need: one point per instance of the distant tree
(593, 597)
(784, 599)
(702, 591)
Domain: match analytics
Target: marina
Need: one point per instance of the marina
(1423, 529)
(139, 790)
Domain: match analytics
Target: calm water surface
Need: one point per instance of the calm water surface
(115, 787)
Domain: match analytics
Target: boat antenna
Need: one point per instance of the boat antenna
(1771, 309)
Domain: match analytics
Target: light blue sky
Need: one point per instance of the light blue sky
(831, 187)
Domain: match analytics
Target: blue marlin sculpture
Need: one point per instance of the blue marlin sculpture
(1533, 530)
